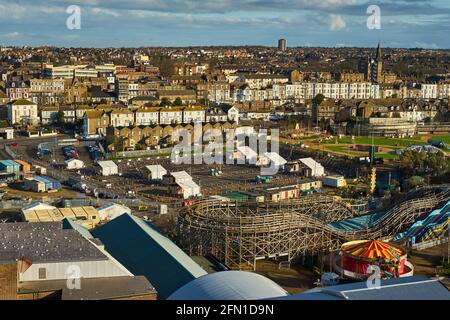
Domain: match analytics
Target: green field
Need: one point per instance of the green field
(343, 149)
(382, 141)
(445, 139)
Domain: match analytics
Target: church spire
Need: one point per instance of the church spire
(379, 55)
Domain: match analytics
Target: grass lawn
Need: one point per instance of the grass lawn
(344, 149)
(445, 139)
(382, 141)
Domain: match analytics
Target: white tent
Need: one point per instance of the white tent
(190, 189)
(156, 172)
(275, 158)
(187, 184)
(181, 176)
(108, 168)
(249, 154)
(74, 164)
(317, 170)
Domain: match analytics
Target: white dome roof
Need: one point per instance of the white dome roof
(229, 285)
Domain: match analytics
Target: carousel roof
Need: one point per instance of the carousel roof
(372, 249)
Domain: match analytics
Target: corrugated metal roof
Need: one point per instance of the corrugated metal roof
(144, 251)
(409, 288)
(229, 285)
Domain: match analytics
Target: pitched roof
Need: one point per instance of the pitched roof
(22, 102)
(144, 251)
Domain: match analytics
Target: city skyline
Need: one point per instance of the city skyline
(183, 23)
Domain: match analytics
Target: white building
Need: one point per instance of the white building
(429, 91)
(108, 168)
(194, 114)
(22, 112)
(121, 118)
(146, 116)
(171, 115)
(74, 164)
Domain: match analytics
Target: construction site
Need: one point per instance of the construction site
(240, 234)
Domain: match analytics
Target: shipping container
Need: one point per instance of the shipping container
(24, 166)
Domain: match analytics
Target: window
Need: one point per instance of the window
(42, 273)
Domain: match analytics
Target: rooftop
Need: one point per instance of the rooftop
(45, 242)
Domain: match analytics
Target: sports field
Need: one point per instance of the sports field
(388, 145)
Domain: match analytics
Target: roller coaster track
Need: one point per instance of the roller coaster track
(242, 233)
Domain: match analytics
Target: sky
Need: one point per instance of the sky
(155, 23)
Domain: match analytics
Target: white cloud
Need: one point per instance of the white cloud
(336, 22)
(11, 35)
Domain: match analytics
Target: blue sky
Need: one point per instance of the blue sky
(140, 23)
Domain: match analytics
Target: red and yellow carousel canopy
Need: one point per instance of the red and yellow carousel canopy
(372, 249)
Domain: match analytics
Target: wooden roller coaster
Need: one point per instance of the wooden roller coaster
(241, 233)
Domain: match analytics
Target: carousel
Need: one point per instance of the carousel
(354, 259)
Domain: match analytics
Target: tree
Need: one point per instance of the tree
(60, 117)
(165, 102)
(178, 102)
(318, 99)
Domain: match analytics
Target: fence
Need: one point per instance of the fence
(138, 153)
(11, 152)
(429, 244)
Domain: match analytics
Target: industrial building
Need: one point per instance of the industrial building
(144, 251)
(38, 259)
(108, 168)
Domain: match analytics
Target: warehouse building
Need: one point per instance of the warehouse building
(39, 258)
(108, 168)
(144, 251)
